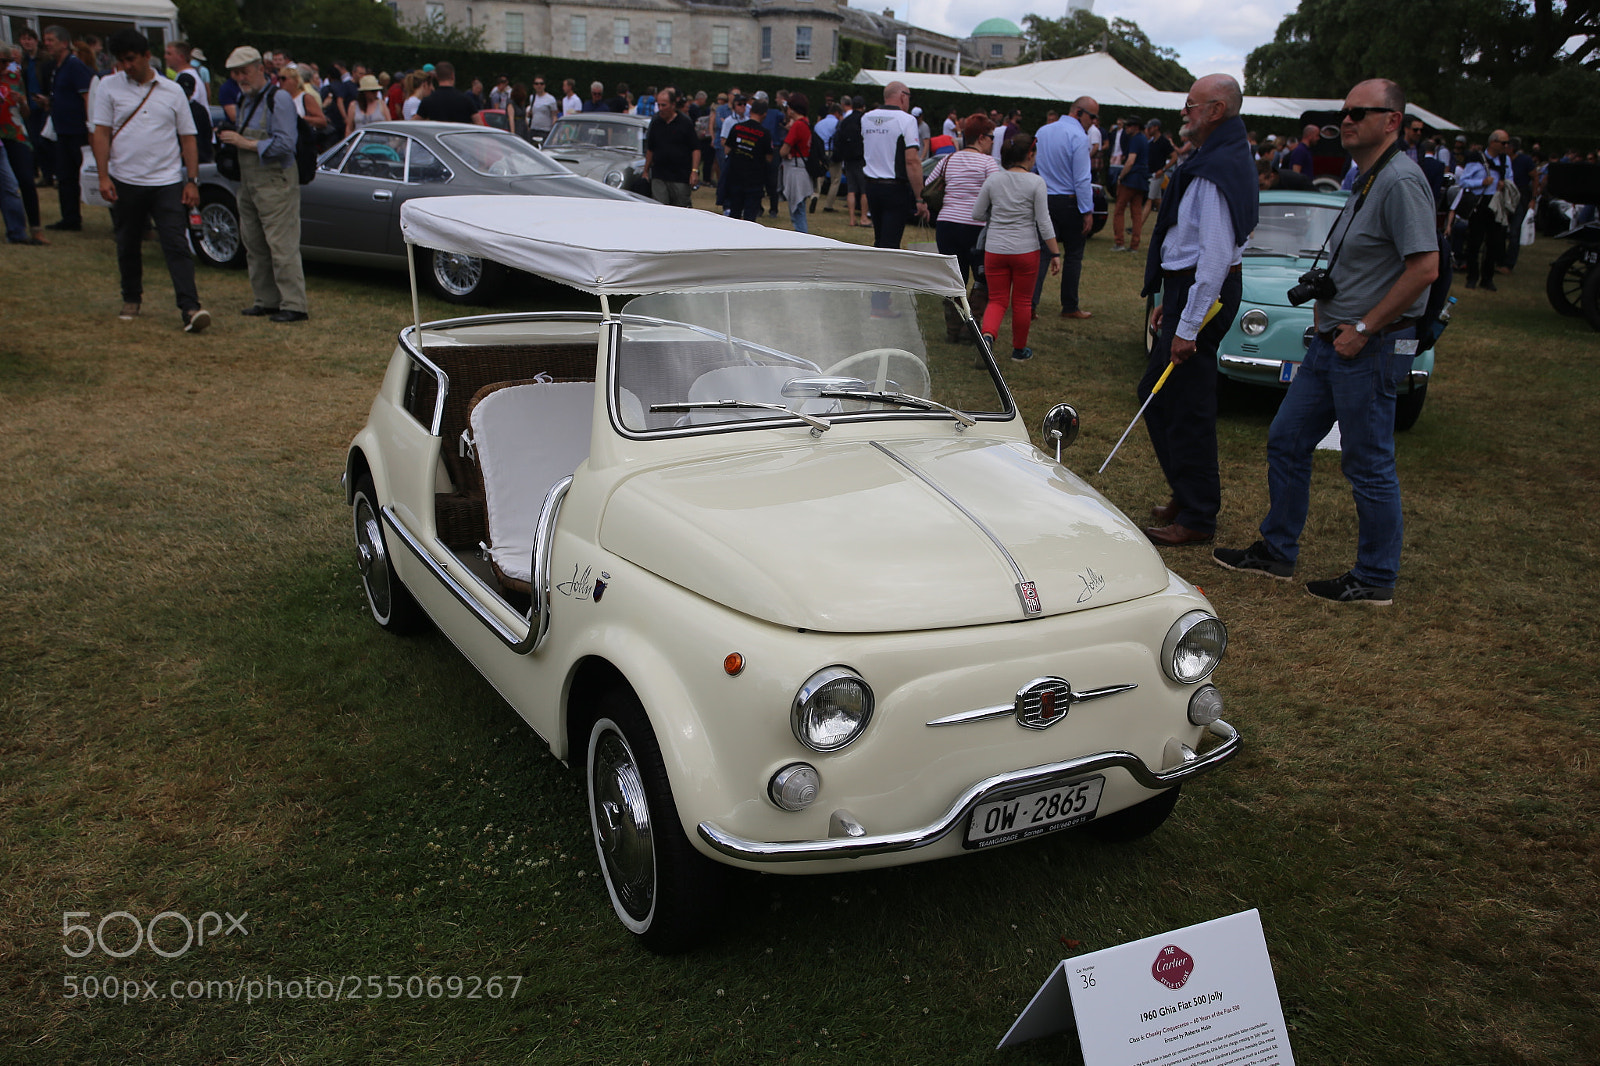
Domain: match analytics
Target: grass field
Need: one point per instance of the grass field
(200, 717)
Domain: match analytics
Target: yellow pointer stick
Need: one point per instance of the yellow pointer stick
(1162, 380)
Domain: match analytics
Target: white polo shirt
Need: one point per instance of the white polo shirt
(881, 131)
(146, 152)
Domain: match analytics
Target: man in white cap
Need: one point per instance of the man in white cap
(269, 191)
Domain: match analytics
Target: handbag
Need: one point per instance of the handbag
(933, 190)
(48, 131)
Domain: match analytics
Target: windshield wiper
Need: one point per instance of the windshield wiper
(899, 398)
(818, 425)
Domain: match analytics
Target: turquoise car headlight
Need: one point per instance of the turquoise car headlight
(1253, 323)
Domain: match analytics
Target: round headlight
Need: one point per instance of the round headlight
(794, 788)
(831, 709)
(614, 178)
(1193, 647)
(1253, 322)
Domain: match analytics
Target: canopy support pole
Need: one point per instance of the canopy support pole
(416, 308)
(605, 308)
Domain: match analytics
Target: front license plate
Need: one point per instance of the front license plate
(1286, 372)
(1027, 816)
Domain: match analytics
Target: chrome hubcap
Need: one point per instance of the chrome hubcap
(219, 232)
(370, 559)
(457, 274)
(622, 825)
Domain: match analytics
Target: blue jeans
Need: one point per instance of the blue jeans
(1359, 394)
(11, 203)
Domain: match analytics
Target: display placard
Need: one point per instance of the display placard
(1203, 994)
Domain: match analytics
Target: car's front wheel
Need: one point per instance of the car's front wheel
(221, 241)
(1563, 285)
(1137, 821)
(390, 602)
(464, 279)
(662, 889)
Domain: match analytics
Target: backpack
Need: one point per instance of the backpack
(817, 161)
(848, 145)
(1430, 325)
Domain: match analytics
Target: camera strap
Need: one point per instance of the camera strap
(1361, 199)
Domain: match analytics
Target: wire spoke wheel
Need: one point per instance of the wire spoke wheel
(457, 275)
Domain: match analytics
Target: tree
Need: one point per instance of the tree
(1460, 58)
(1082, 32)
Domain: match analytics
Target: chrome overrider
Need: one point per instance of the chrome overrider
(1011, 782)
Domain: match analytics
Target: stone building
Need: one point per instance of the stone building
(790, 38)
(996, 42)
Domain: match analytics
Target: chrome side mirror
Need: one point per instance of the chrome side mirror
(1060, 427)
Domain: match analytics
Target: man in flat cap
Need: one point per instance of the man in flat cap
(269, 191)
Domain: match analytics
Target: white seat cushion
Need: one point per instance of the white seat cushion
(528, 437)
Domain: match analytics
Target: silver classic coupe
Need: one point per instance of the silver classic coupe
(350, 212)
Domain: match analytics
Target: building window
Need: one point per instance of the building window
(619, 36)
(802, 44)
(997, 51)
(434, 13)
(580, 33)
(513, 31)
(766, 43)
(719, 46)
(663, 38)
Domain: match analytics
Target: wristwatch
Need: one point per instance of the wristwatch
(191, 181)
(1361, 328)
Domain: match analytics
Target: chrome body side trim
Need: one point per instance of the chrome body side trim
(539, 612)
(1005, 710)
(1012, 782)
(957, 504)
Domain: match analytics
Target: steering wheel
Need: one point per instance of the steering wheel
(873, 365)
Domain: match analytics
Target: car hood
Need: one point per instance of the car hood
(858, 537)
(566, 185)
(1267, 279)
(592, 161)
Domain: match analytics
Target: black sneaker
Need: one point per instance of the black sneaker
(197, 320)
(1021, 355)
(1347, 589)
(1255, 559)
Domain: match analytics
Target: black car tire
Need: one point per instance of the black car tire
(221, 242)
(463, 279)
(1408, 407)
(1101, 211)
(390, 602)
(1564, 284)
(1591, 298)
(1137, 821)
(664, 891)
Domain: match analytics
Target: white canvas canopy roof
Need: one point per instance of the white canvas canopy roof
(100, 10)
(1064, 80)
(609, 247)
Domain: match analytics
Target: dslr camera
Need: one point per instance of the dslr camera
(1315, 284)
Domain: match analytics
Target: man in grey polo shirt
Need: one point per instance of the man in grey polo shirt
(1385, 257)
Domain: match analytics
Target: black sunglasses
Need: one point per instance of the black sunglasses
(1359, 114)
(1092, 114)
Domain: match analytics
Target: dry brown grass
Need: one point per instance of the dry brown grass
(1415, 813)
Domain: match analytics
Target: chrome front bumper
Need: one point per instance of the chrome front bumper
(1011, 783)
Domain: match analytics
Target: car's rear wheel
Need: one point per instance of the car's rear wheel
(221, 241)
(390, 602)
(463, 279)
(1408, 407)
(1137, 821)
(1591, 298)
(1563, 285)
(664, 891)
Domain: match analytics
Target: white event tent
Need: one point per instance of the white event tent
(1109, 82)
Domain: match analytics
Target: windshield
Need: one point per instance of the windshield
(1292, 229)
(593, 133)
(695, 350)
(500, 155)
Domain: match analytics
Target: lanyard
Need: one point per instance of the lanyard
(1366, 187)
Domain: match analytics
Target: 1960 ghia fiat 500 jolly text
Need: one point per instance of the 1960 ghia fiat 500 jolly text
(771, 556)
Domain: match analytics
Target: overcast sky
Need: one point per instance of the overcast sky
(1210, 36)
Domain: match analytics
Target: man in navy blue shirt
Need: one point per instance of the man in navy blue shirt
(69, 111)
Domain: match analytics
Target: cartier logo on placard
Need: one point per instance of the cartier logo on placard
(1172, 967)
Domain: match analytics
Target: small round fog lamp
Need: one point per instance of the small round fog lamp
(1205, 706)
(795, 787)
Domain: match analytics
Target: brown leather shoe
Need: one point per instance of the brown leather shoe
(1165, 513)
(1077, 314)
(1175, 536)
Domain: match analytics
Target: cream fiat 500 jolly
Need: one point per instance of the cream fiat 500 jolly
(771, 556)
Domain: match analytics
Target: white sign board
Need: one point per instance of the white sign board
(900, 52)
(1203, 994)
